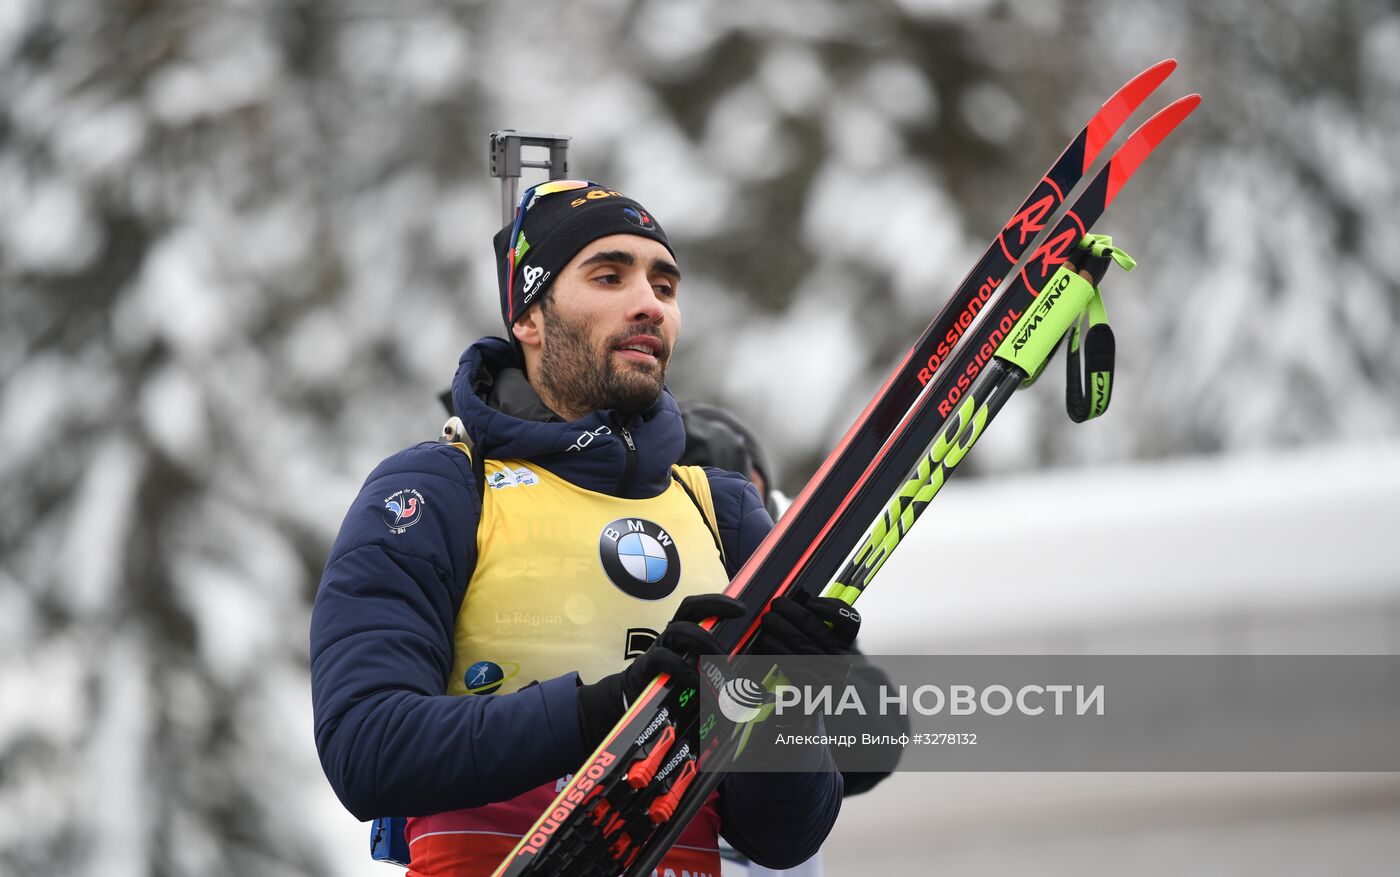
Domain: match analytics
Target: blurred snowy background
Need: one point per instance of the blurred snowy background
(242, 244)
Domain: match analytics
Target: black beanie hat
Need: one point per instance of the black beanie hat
(555, 221)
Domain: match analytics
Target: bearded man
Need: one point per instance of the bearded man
(493, 601)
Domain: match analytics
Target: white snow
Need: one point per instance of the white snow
(799, 351)
(174, 415)
(936, 9)
(115, 803)
(46, 696)
(794, 79)
(180, 296)
(901, 92)
(1090, 549)
(100, 137)
(15, 17)
(88, 574)
(233, 69)
(676, 35)
(897, 221)
(992, 112)
(52, 226)
(30, 405)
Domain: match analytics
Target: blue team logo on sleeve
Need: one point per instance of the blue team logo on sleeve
(403, 509)
(486, 677)
(640, 558)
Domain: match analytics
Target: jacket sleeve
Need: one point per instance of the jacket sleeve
(742, 519)
(778, 820)
(867, 679)
(390, 739)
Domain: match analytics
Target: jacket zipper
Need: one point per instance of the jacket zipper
(626, 487)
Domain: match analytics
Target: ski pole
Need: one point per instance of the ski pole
(1071, 293)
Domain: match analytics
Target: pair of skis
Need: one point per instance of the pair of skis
(630, 800)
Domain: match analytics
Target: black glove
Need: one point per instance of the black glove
(801, 624)
(602, 703)
(820, 631)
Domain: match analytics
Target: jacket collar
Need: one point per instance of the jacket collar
(506, 419)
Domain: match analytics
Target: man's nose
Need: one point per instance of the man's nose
(644, 303)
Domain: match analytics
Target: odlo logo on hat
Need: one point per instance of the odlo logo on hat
(535, 279)
(640, 558)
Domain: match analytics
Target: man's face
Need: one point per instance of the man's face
(606, 331)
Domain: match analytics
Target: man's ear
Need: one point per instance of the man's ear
(528, 328)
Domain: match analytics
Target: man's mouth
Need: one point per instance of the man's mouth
(640, 348)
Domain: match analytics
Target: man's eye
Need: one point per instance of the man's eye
(664, 289)
(611, 278)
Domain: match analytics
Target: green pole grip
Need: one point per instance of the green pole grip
(1031, 341)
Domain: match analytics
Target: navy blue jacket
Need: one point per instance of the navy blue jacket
(389, 738)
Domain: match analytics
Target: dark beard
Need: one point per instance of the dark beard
(573, 373)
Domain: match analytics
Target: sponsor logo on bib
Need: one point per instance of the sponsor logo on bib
(640, 558)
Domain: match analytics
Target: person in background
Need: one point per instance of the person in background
(715, 437)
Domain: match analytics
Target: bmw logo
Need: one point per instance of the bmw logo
(640, 558)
